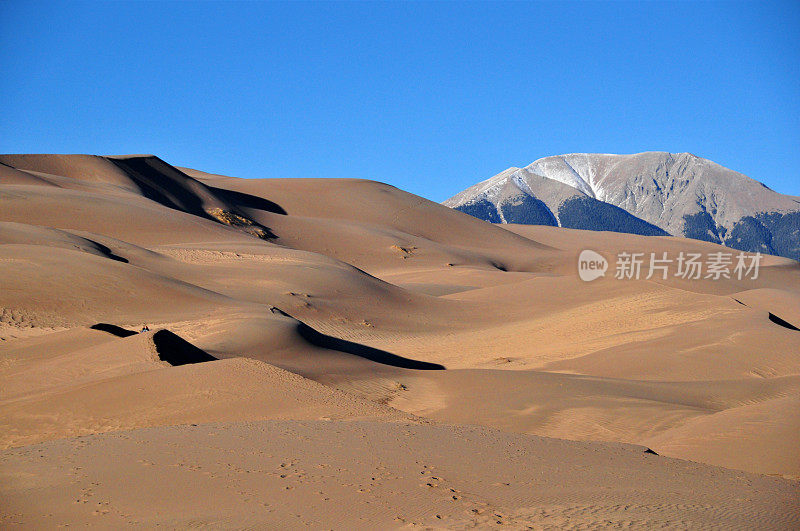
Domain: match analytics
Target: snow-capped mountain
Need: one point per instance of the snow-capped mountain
(653, 193)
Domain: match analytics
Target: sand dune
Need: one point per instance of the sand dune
(375, 474)
(151, 379)
(297, 300)
(743, 424)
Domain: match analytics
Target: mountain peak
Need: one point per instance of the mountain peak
(654, 192)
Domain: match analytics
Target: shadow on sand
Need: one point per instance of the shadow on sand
(177, 351)
(780, 322)
(113, 329)
(170, 348)
(373, 354)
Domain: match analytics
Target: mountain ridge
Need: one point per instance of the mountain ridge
(650, 193)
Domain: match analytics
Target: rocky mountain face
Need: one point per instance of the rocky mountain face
(653, 193)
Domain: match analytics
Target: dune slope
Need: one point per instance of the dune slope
(300, 300)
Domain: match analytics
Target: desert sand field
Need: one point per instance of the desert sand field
(338, 353)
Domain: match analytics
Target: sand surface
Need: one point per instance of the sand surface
(375, 475)
(286, 314)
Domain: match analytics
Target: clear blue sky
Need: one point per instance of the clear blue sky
(430, 97)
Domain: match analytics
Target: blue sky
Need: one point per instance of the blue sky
(430, 97)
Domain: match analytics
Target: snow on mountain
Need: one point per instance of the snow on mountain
(653, 193)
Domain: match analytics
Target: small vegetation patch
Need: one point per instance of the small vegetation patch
(235, 220)
(405, 252)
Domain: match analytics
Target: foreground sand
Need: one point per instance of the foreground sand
(350, 311)
(375, 475)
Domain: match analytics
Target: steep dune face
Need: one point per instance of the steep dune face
(145, 176)
(653, 193)
(313, 299)
(116, 213)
